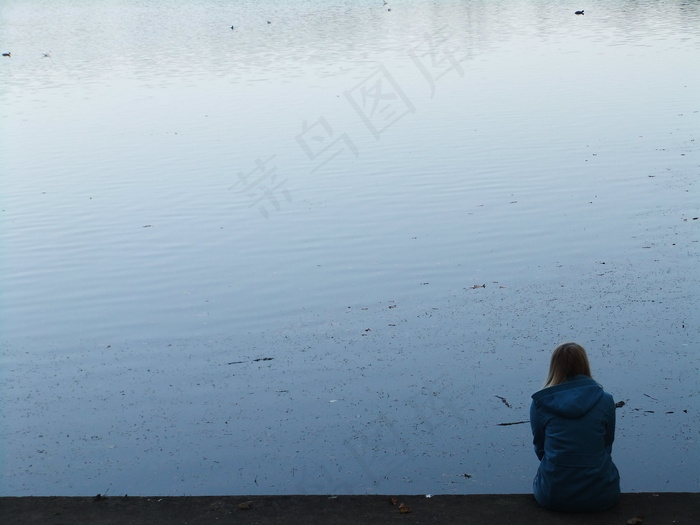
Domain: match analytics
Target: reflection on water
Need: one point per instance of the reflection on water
(251, 260)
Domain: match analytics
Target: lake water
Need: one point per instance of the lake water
(310, 254)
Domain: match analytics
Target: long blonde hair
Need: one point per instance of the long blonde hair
(568, 360)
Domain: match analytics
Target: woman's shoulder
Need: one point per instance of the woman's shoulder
(572, 382)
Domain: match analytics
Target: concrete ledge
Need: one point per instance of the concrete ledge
(521, 509)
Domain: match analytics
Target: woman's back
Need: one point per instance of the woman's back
(573, 425)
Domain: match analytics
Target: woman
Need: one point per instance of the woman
(573, 424)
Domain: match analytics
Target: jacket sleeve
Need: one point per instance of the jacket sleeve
(609, 425)
(537, 432)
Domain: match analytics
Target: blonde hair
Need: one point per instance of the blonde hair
(568, 360)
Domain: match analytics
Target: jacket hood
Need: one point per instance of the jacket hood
(572, 399)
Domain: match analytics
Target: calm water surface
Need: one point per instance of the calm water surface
(310, 254)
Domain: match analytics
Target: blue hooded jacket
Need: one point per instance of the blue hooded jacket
(573, 425)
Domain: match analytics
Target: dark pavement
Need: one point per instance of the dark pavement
(521, 509)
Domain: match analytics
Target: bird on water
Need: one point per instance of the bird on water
(579, 12)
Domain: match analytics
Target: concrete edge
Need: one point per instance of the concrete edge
(502, 509)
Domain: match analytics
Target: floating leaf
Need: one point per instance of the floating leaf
(635, 521)
(404, 509)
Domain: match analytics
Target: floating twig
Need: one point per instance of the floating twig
(254, 361)
(513, 423)
(505, 401)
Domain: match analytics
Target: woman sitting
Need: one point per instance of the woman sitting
(573, 424)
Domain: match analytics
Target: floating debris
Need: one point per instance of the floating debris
(505, 401)
(253, 361)
(619, 404)
(513, 423)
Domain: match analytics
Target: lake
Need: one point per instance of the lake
(305, 246)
